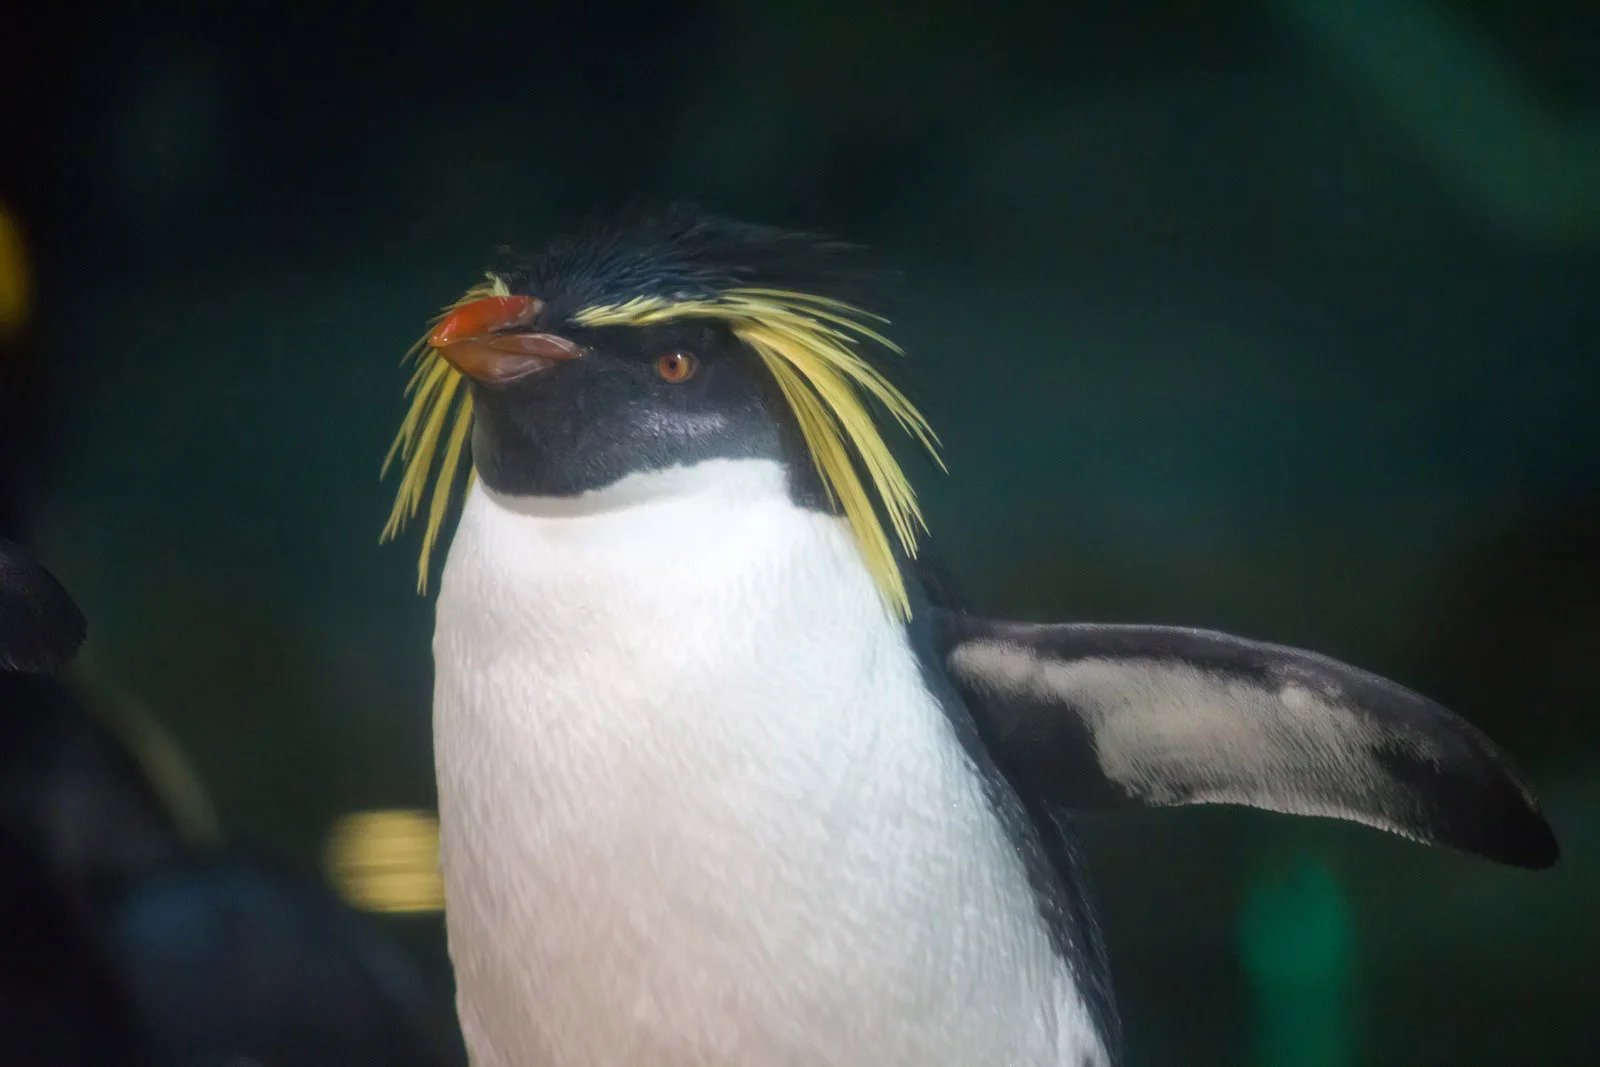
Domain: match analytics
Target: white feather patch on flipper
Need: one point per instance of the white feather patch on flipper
(1094, 716)
(1173, 734)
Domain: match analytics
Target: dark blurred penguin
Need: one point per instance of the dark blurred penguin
(226, 964)
(127, 937)
(120, 942)
(77, 816)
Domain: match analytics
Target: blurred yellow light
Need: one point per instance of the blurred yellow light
(16, 278)
(387, 861)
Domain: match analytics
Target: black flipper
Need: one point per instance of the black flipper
(41, 629)
(1095, 717)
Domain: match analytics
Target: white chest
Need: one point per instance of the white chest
(697, 807)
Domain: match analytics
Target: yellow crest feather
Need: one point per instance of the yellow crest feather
(807, 343)
(434, 388)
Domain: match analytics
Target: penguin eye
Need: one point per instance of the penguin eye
(677, 366)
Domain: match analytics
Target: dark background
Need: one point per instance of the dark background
(1280, 317)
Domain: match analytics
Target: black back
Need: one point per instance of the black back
(1045, 835)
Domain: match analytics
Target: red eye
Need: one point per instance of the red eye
(677, 366)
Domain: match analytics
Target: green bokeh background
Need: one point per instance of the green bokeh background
(1277, 317)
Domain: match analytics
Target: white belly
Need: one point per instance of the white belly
(697, 807)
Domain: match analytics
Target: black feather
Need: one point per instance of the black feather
(681, 253)
(41, 628)
(1045, 835)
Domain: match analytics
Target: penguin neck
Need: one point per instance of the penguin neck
(646, 496)
(721, 542)
(722, 536)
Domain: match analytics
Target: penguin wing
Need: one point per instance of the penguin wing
(1097, 716)
(41, 628)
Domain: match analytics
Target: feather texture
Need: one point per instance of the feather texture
(434, 387)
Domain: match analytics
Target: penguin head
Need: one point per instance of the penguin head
(561, 409)
(658, 343)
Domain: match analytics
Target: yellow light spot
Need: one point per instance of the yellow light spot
(16, 277)
(387, 861)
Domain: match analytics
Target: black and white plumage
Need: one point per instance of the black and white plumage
(720, 785)
(1098, 717)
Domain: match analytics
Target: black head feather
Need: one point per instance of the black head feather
(41, 628)
(681, 253)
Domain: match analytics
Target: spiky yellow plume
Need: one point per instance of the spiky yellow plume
(434, 387)
(808, 344)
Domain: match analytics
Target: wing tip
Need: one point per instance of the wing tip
(1504, 826)
(1508, 825)
(1529, 843)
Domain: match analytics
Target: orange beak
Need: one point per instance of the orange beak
(481, 339)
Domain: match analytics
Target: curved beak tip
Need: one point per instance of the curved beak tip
(483, 340)
(489, 315)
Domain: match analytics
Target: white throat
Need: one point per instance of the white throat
(699, 808)
(714, 483)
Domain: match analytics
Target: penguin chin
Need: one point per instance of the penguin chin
(731, 478)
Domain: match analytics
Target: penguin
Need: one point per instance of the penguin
(727, 772)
